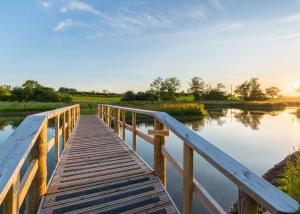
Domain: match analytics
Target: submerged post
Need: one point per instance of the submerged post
(159, 159)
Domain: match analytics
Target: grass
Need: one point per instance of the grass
(290, 181)
(11, 107)
(172, 108)
(79, 99)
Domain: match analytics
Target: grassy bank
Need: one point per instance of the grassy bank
(12, 107)
(172, 108)
(175, 108)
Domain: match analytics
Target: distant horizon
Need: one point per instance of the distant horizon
(147, 88)
(124, 44)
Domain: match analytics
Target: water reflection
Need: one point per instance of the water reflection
(12, 121)
(249, 118)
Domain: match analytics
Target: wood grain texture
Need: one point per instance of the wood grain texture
(159, 159)
(188, 186)
(98, 173)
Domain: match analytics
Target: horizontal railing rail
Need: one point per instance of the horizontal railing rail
(254, 191)
(29, 142)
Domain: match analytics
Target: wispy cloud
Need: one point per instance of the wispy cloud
(287, 36)
(67, 23)
(45, 3)
(216, 4)
(228, 26)
(80, 6)
(291, 18)
(95, 36)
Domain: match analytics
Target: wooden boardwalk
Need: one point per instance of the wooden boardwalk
(98, 173)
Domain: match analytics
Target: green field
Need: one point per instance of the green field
(80, 99)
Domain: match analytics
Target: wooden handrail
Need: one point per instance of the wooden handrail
(256, 189)
(29, 142)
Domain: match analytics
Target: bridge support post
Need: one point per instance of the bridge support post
(39, 184)
(159, 159)
(246, 204)
(133, 121)
(11, 203)
(57, 137)
(117, 121)
(64, 130)
(124, 126)
(188, 185)
(100, 111)
(69, 124)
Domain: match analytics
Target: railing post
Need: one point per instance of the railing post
(64, 130)
(133, 120)
(117, 121)
(69, 123)
(124, 126)
(187, 179)
(39, 184)
(56, 138)
(246, 204)
(11, 203)
(108, 116)
(100, 112)
(159, 159)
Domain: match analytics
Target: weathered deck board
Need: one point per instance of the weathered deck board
(98, 173)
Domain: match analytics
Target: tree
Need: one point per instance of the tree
(155, 86)
(128, 96)
(17, 93)
(215, 93)
(169, 87)
(250, 90)
(4, 92)
(31, 84)
(197, 87)
(272, 92)
(243, 90)
(256, 92)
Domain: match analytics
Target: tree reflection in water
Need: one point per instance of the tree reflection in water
(12, 121)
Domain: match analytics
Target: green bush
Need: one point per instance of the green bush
(290, 181)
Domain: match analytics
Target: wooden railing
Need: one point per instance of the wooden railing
(29, 143)
(254, 191)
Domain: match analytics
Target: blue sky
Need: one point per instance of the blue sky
(123, 44)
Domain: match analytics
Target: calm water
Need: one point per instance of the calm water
(257, 139)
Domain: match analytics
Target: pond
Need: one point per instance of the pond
(256, 138)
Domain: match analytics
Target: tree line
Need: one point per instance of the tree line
(168, 89)
(159, 89)
(32, 90)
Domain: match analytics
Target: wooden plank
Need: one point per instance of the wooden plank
(124, 126)
(11, 203)
(158, 132)
(187, 179)
(27, 180)
(159, 159)
(145, 137)
(56, 137)
(50, 143)
(206, 199)
(14, 150)
(133, 121)
(111, 179)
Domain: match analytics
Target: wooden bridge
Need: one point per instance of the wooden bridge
(97, 172)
